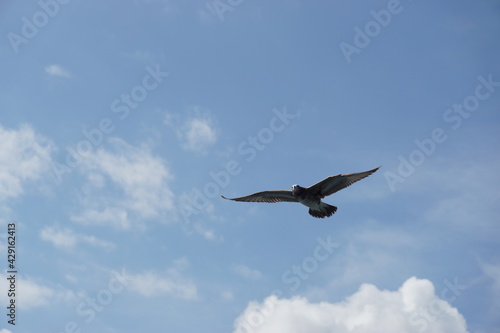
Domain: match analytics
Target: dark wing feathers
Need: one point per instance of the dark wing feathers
(333, 184)
(267, 196)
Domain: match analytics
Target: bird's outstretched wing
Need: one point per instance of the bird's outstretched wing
(333, 184)
(267, 196)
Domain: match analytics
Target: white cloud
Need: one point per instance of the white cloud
(93, 214)
(207, 233)
(152, 284)
(57, 70)
(67, 239)
(197, 133)
(138, 190)
(24, 156)
(247, 273)
(4, 330)
(172, 282)
(32, 294)
(97, 242)
(413, 308)
(171, 119)
(62, 238)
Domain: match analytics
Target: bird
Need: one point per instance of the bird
(309, 196)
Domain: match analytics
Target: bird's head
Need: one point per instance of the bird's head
(296, 189)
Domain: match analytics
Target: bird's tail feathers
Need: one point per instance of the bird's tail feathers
(325, 210)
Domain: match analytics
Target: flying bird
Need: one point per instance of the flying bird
(309, 196)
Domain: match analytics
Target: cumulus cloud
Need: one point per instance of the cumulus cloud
(67, 239)
(413, 308)
(25, 156)
(57, 70)
(138, 186)
(172, 282)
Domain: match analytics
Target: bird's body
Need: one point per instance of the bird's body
(317, 208)
(309, 196)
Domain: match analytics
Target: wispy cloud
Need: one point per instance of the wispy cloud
(493, 272)
(24, 156)
(226, 295)
(246, 272)
(139, 187)
(172, 282)
(151, 284)
(467, 191)
(207, 233)
(144, 56)
(67, 239)
(370, 251)
(34, 294)
(57, 70)
(196, 133)
(93, 213)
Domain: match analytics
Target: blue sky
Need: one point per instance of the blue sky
(122, 122)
